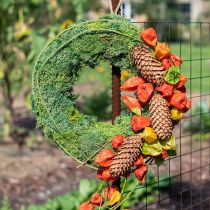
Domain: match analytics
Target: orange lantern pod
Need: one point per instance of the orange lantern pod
(176, 60)
(106, 175)
(140, 173)
(188, 106)
(86, 206)
(166, 63)
(144, 92)
(149, 36)
(132, 83)
(179, 100)
(182, 81)
(166, 90)
(131, 102)
(164, 154)
(117, 141)
(140, 122)
(97, 199)
(162, 50)
(104, 158)
(99, 174)
(139, 161)
(108, 192)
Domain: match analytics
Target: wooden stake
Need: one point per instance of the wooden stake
(115, 5)
(116, 94)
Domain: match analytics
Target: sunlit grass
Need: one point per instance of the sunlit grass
(193, 67)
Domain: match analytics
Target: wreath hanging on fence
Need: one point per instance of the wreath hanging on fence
(143, 134)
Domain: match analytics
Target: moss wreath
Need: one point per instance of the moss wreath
(110, 38)
(137, 137)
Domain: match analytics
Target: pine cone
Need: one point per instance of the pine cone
(149, 67)
(160, 117)
(124, 159)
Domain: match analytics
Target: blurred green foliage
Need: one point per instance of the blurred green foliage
(199, 126)
(26, 25)
(72, 200)
(5, 205)
(98, 105)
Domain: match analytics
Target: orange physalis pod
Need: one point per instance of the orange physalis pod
(179, 100)
(132, 83)
(131, 102)
(182, 81)
(139, 161)
(144, 92)
(86, 206)
(117, 141)
(166, 90)
(104, 158)
(97, 199)
(139, 122)
(108, 192)
(188, 106)
(176, 60)
(140, 173)
(166, 63)
(149, 36)
(162, 50)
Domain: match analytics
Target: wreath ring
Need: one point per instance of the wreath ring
(161, 95)
(59, 65)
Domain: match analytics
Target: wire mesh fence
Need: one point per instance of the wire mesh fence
(189, 172)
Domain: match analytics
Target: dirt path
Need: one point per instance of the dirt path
(37, 175)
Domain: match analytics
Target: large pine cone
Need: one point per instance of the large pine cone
(149, 67)
(127, 155)
(160, 117)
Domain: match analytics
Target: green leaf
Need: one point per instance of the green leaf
(169, 144)
(172, 75)
(165, 181)
(137, 111)
(159, 161)
(149, 199)
(172, 153)
(1, 74)
(86, 187)
(153, 149)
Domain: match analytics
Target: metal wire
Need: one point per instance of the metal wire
(189, 182)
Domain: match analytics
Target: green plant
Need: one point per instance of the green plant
(98, 105)
(146, 192)
(19, 46)
(5, 205)
(23, 35)
(72, 200)
(69, 201)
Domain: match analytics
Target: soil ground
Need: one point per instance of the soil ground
(36, 175)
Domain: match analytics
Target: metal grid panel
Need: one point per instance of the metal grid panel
(189, 171)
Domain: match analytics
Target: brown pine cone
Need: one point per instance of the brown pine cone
(160, 117)
(149, 67)
(127, 155)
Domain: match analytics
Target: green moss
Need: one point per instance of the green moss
(85, 44)
(74, 115)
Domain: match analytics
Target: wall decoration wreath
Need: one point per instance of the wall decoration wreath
(141, 134)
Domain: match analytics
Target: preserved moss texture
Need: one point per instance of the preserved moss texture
(60, 64)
